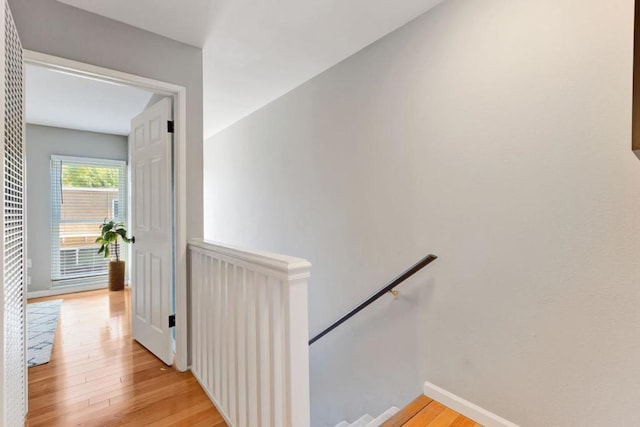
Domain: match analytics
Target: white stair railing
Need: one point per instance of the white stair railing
(249, 334)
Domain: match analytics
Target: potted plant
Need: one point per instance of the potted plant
(110, 234)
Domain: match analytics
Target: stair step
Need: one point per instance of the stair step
(383, 417)
(408, 412)
(362, 421)
(422, 412)
(426, 412)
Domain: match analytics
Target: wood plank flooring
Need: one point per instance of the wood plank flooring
(426, 412)
(99, 376)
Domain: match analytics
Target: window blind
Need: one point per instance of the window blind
(84, 192)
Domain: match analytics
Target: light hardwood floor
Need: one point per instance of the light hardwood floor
(99, 376)
(426, 412)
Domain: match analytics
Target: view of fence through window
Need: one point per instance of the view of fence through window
(83, 195)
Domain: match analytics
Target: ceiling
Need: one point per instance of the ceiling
(187, 21)
(55, 98)
(255, 51)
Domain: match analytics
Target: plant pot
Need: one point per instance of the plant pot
(116, 275)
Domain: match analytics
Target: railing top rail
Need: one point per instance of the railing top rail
(388, 288)
(281, 263)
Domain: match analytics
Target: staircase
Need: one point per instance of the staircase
(369, 421)
(422, 412)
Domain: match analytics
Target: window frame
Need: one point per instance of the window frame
(57, 278)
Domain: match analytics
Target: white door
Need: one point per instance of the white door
(152, 226)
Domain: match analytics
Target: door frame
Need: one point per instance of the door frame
(179, 95)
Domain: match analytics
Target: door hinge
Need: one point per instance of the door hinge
(170, 126)
(172, 320)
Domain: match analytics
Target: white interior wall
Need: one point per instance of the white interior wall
(495, 134)
(41, 143)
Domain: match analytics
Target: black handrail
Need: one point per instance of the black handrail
(389, 288)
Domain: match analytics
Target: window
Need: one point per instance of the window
(114, 208)
(83, 193)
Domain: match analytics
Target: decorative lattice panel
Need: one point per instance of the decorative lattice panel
(14, 321)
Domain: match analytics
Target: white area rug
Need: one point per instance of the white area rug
(42, 320)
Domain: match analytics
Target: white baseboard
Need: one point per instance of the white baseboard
(66, 290)
(464, 407)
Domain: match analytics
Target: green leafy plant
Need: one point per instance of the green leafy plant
(90, 176)
(110, 234)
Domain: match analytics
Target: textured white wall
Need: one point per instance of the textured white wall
(495, 134)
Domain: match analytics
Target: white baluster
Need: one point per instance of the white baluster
(277, 357)
(201, 332)
(224, 327)
(232, 378)
(196, 313)
(211, 263)
(203, 315)
(264, 337)
(209, 306)
(252, 351)
(241, 327)
(217, 318)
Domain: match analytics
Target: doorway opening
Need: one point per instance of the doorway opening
(84, 187)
